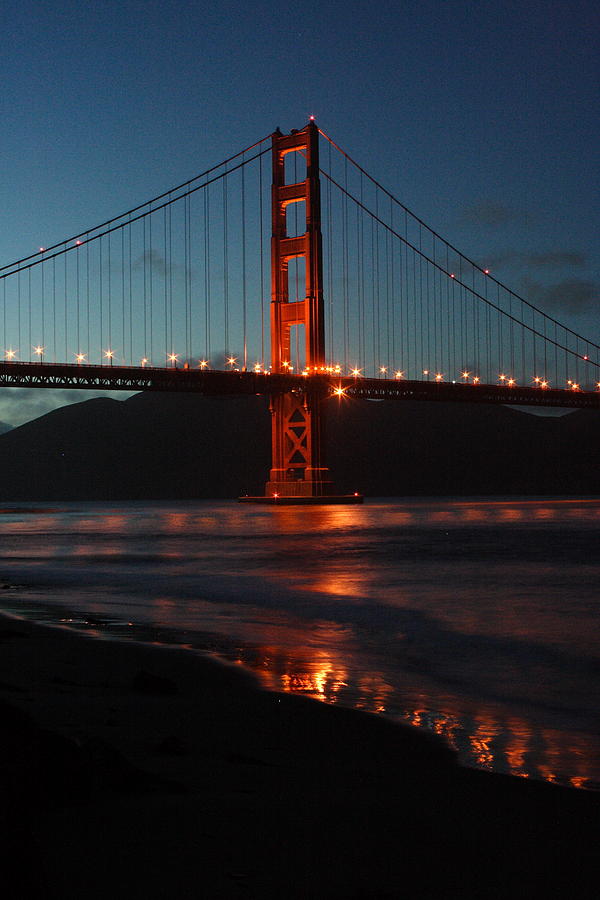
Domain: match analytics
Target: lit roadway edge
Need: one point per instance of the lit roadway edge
(216, 382)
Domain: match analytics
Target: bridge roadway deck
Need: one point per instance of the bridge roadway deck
(216, 382)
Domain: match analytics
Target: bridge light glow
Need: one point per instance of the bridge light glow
(10, 354)
(502, 377)
(543, 384)
(39, 351)
(399, 374)
(203, 364)
(486, 271)
(574, 386)
(173, 357)
(78, 243)
(231, 361)
(511, 382)
(80, 358)
(452, 275)
(143, 362)
(258, 367)
(425, 371)
(465, 375)
(476, 379)
(585, 357)
(356, 372)
(339, 391)
(538, 380)
(42, 249)
(383, 369)
(439, 376)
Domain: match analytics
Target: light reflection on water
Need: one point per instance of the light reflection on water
(475, 619)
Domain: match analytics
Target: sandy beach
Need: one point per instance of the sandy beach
(133, 771)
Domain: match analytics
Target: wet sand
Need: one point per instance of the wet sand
(131, 771)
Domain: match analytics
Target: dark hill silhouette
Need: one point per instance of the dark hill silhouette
(4, 427)
(163, 446)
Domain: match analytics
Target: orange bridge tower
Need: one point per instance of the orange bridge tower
(298, 467)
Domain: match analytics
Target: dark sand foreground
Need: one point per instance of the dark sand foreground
(135, 772)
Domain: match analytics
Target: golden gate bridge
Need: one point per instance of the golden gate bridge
(289, 272)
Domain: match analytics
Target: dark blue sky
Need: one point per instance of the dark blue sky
(482, 117)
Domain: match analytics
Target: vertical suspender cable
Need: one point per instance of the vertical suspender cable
(226, 268)
(78, 300)
(207, 267)
(66, 312)
(145, 289)
(43, 277)
(393, 285)
(101, 285)
(244, 292)
(148, 353)
(262, 262)
(54, 305)
(19, 310)
(170, 271)
(29, 306)
(109, 293)
(130, 295)
(123, 342)
(186, 286)
(165, 283)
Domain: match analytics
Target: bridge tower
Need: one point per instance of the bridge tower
(298, 467)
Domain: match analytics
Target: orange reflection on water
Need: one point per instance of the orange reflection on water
(447, 726)
(374, 692)
(481, 741)
(323, 680)
(517, 746)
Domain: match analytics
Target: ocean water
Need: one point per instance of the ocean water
(474, 618)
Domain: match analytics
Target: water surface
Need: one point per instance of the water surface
(476, 619)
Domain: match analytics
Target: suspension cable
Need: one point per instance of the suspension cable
(458, 280)
(451, 247)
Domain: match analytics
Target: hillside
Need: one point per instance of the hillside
(161, 446)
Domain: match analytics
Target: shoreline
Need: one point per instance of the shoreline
(137, 771)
